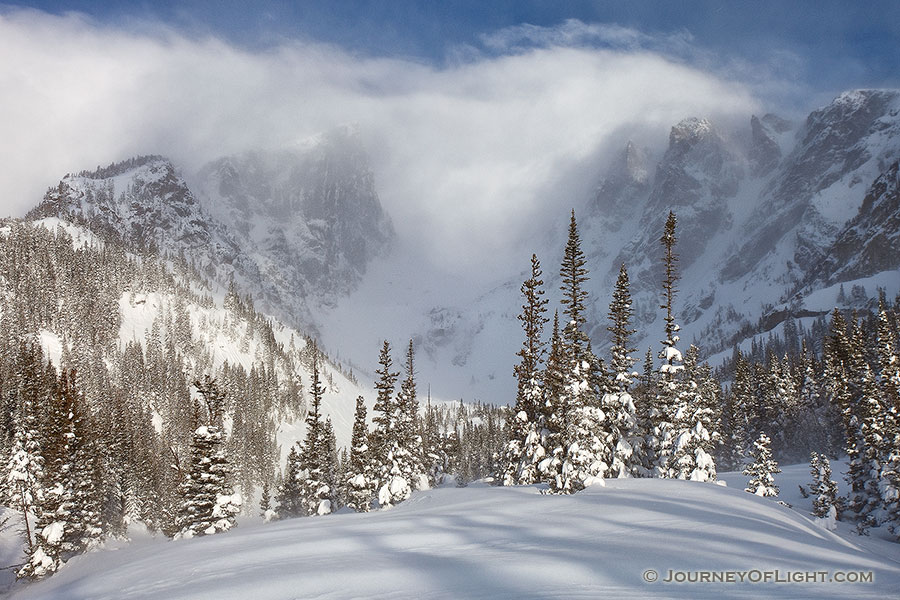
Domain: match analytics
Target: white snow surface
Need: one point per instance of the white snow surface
(486, 542)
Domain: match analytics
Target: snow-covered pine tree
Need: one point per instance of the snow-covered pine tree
(382, 438)
(629, 458)
(315, 475)
(392, 486)
(695, 431)
(86, 526)
(780, 408)
(762, 469)
(69, 522)
(288, 500)
(331, 464)
(889, 384)
(665, 407)
(585, 455)
(620, 313)
(209, 504)
(265, 503)
(46, 551)
(823, 490)
(527, 432)
(818, 423)
(853, 380)
(25, 466)
(574, 276)
(409, 453)
(437, 461)
(838, 381)
(554, 409)
(360, 478)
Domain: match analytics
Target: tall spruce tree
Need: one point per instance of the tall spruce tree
(664, 411)
(739, 418)
(385, 419)
(695, 423)
(387, 448)
(585, 454)
(360, 478)
(288, 500)
(889, 477)
(574, 275)
(625, 427)
(316, 468)
(620, 315)
(555, 408)
(25, 467)
(528, 436)
(409, 453)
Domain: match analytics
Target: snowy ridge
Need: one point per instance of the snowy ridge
(295, 228)
(760, 210)
(218, 334)
(485, 542)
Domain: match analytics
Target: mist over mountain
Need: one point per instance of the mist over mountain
(768, 213)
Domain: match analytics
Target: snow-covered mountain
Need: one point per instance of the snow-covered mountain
(296, 228)
(311, 216)
(771, 214)
(768, 213)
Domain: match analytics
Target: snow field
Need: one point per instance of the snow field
(485, 542)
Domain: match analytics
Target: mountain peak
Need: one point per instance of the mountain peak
(689, 131)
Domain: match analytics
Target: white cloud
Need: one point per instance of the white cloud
(467, 157)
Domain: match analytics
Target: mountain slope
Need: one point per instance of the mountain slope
(763, 212)
(295, 228)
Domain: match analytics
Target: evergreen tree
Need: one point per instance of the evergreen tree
(694, 424)
(555, 410)
(889, 477)
(265, 503)
(385, 420)
(360, 478)
(762, 468)
(209, 504)
(316, 468)
(527, 444)
(740, 416)
(620, 314)
(409, 447)
(585, 454)
(574, 275)
(665, 409)
(69, 521)
(288, 499)
(25, 468)
(823, 489)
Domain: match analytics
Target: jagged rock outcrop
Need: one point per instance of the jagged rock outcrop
(295, 228)
(870, 242)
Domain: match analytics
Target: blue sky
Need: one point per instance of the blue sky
(842, 43)
(468, 109)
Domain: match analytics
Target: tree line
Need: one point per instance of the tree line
(578, 419)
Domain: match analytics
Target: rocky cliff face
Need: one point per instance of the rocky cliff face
(313, 214)
(294, 228)
(870, 242)
(767, 215)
